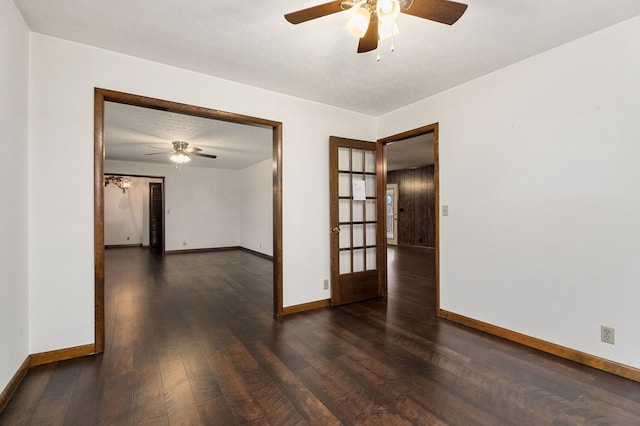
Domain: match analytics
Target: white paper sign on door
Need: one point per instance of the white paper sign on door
(359, 192)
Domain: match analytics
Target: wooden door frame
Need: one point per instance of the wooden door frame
(102, 95)
(382, 182)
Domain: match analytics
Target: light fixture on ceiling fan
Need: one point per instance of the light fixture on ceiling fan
(179, 158)
(375, 20)
(386, 12)
(180, 154)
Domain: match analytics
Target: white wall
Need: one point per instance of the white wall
(539, 167)
(233, 206)
(63, 77)
(14, 71)
(537, 164)
(124, 213)
(201, 204)
(256, 227)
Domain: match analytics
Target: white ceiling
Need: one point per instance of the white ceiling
(130, 132)
(410, 153)
(250, 42)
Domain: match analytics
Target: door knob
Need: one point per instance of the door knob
(335, 230)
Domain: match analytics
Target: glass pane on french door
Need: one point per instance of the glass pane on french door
(390, 201)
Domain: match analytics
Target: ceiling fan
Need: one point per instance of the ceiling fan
(181, 153)
(374, 20)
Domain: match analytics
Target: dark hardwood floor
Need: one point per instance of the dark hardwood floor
(191, 340)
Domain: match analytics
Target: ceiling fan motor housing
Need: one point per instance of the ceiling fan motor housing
(180, 146)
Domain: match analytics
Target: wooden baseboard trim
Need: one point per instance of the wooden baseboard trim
(319, 304)
(415, 246)
(612, 367)
(256, 253)
(201, 250)
(40, 359)
(61, 355)
(112, 246)
(13, 384)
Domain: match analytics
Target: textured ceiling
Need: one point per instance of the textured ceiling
(410, 153)
(144, 135)
(130, 132)
(250, 42)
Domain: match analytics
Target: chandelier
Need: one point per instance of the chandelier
(122, 182)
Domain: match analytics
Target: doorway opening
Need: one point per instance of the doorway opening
(104, 95)
(156, 217)
(411, 163)
(127, 213)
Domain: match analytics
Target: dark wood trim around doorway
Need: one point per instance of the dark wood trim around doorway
(102, 95)
(431, 128)
(544, 346)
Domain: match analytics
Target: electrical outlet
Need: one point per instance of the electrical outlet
(607, 334)
(326, 284)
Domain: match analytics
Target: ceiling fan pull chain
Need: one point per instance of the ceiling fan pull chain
(393, 41)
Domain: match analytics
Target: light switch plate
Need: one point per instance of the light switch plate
(445, 210)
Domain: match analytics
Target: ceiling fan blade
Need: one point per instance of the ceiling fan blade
(156, 153)
(193, 149)
(370, 40)
(443, 11)
(197, 154)
(314, 12)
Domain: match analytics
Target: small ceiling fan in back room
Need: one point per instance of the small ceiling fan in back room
(182, 153)
(374, 20)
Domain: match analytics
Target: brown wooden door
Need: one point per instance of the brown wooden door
(156, 210)
(357, 270)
